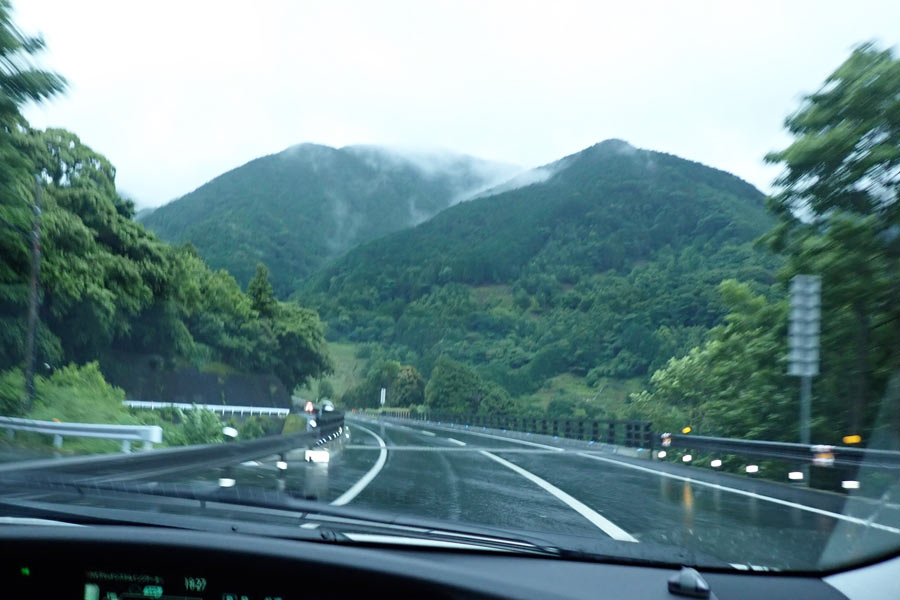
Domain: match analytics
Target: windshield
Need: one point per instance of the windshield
(616, 279)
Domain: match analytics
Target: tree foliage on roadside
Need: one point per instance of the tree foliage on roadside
(838, 213)
(455, 388)
(108, 287)
(403, 384)
(108, 284)
(839, 217)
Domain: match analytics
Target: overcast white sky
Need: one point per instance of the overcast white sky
(177, 92)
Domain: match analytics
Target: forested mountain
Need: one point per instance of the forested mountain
(606, 267)
(110, 288)
(296, 209)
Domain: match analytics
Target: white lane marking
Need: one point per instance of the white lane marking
(457, 442)
(423, 432)
(716, 486)
(487, 435)
(309, 525)
(366, 479)
(608, 527)
(513, 440)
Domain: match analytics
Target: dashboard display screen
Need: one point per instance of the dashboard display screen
(126, 585)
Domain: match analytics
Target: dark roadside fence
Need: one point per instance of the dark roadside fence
(632, 434)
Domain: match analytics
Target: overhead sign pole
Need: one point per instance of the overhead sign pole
(803, 343)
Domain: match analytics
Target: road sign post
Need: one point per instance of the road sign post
(383, 396)
(803, 344)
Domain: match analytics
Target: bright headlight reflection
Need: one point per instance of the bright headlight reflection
(795, 475)
(850, 485)
(687, 458)
(715, 463)
(661, 454)
(281, 465)
(752, 468)
(317, 456)
(226, 482)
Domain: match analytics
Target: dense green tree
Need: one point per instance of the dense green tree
(837, 218)
(20, 83)
(408, 387)
(403, 384)
(261, 294)
(109, 286)
(733, 384)
(455, 388)
(839, 209)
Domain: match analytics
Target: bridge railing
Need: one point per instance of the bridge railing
(634, 434)
(148, 434)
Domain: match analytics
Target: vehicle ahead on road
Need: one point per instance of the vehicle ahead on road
(506, 338)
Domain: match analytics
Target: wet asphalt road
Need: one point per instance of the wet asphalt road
(434, 473)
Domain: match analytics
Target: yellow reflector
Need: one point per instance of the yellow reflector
(686, 429)
(852, 439)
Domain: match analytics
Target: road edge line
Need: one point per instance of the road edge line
(366, 479)
(716, 486)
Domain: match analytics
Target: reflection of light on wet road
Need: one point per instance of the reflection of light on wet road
(687, 501)
(433, 477)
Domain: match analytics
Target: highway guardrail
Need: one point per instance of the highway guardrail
(148, 434)
(222, 409)
(114, 467)
(816, 454)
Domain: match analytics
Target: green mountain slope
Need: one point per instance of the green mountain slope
(606, 266)
(296, 209)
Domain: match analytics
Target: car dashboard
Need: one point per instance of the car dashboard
(130, 563)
